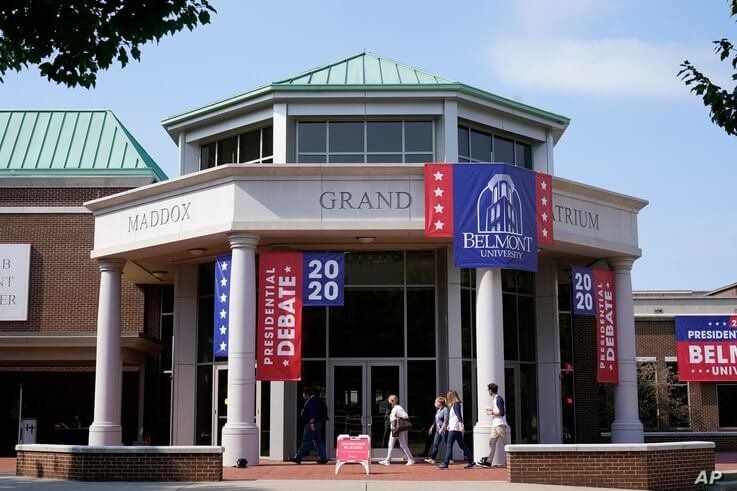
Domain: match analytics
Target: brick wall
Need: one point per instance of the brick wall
(655, 470)
(586, 389)
(121, 466)
(64, 281)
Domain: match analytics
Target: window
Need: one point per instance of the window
(479, 146)
(727, 401)
(364, 141)
(252, 147)
(678, 412)
(647, 394)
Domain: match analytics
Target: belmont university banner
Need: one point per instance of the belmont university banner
(497, 214)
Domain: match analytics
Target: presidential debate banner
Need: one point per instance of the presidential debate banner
(497, 214)
(707, 348)
(593, 295)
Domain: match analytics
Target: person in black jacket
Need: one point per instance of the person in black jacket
(313, 415)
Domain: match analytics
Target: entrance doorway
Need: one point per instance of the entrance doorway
(220, 408)
(357, 393)
(520, 382)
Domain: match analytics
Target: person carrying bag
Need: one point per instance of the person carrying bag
(399, 424)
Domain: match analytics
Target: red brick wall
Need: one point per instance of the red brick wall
(121, 467)
(655, 470)
(64, 281)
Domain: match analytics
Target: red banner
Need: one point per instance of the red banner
(439, 200)
(279, 346)
(544, 208)
(606, 327)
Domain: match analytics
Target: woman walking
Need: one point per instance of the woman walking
(440, 427)
(455, 431)
(397, 433)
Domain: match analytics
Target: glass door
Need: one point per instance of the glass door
(357, 401)
(220, 408)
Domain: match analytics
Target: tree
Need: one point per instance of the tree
(71, 40)
(721, 102)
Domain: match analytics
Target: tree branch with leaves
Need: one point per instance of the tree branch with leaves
(72, 40)
(722, 103)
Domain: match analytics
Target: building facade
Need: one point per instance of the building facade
(332, 160)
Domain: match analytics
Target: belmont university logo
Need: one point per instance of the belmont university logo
(501, 230)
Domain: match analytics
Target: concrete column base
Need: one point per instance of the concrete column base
(481, 433)
(103, 433)
(240, 442)
(624, 431)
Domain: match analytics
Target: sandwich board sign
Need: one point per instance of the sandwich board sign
(353, 450)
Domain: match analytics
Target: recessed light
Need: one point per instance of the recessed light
(365, 240)
(197, 251)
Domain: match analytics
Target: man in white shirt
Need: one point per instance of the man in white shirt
(498, 415)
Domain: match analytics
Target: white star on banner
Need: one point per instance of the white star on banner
(545, 232)
(439, 208)
(223, 298)
(224, 282)
(439, 225)
(709, 323)
(544, 217)
(223, 313)
(544, 201)
(285, 363)
(223, 346)
(543, 185)
(607, 285)
(287, 269)
(438, 176)
(223, 330)
(224, 266)
(438, 192)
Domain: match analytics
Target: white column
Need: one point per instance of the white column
(626, 427)
(280, 133)
(106, 429)
(240, 433)
(489, 353)
(449, 152)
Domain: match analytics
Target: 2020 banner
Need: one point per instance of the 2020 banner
(497, 214)
(707, 348)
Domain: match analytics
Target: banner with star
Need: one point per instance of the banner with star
(279, 338)
(222, 306)
(606, 327)
(497, 214)
(707, 348)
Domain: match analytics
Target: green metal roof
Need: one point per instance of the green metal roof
(67, 143)
(366, 72)
(365, 69)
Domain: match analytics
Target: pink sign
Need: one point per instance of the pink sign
(356, 449)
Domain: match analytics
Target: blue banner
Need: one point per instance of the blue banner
(323, 279)
(222, 306)
(582, 286)
(494, 216)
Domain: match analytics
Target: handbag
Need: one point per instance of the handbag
(402, 424)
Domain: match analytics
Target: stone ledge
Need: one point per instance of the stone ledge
(608, 447)
(119, 449)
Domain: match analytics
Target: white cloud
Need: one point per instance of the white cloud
(548, 16)
(600, 66)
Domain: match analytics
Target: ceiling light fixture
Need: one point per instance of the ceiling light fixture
(365, 240)
(197, 251)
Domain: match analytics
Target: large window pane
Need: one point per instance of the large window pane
(418, 136)
(421, 322)
(313, 332)
(370, 324)
(267, 136)
(503, 150)
(528, 403)
(384, 158)
(421, 393)
(526, 326)
(250, 146)
(421, 267)
(467, 317)
(346, 158)
(463, 148)
(312, 159)
(647, 395)
(523, 155)
(480, 146)
(204, 329)
(510, 326)
(313, 375)
(418, 158)
(311, 136)
(228, 151)
(727, 400)
(203, 426)
(374, 268)
(384, 136)
(207, 156)
(346, 136)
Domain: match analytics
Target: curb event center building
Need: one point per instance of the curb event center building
(119, 348)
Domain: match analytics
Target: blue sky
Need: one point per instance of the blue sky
(609, 66)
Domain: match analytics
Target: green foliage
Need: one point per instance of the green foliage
(71, 40)
(722, 103)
